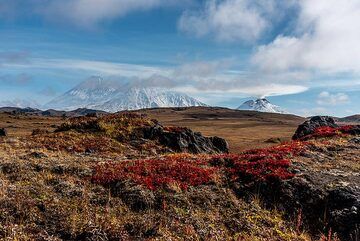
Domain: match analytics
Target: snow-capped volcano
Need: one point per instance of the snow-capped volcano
(261, 105)
(113, 96)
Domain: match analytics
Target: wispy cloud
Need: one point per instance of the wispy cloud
(14, 57)
(81, 13)
(48, 91)
(17, 79)
(326, 98)
(91, 67)
(234, 20)
(314, 111)
(204, 76)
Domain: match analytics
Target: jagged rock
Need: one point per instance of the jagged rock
(185, 140)
(220, 143)
(309, 126)
(3, 132)
(322, 207)
(355, 130)
(355, 140)
(36, 154)
(39, 132)
(136, 197)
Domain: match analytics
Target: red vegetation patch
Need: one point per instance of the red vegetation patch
(156, 173)
(327, 131)
(264, 170)
(267, 164)
(186, 170)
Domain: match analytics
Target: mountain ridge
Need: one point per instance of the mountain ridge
(114, 96)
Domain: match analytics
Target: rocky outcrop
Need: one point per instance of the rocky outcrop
(185, 140)
(3, 132)
(309, 126)
(325, 189)
(139, 132)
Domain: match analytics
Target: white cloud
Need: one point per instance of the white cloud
(91, 12)
(90, 67)
(257, 90)
(202, 76)
(83, 13)
(326, 98)
(314, 111)
(233, 20)
(326, 39)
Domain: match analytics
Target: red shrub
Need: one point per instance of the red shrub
(265, 170)
(186, 170)
(327, 131)
(265, 164)
(156, 173)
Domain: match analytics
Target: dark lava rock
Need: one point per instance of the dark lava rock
(38, 155)
(309, 126)
(322, 207)
(220, 143)
(355, 130)
(39, 132)
(3, 132)
(136, 197)
(355, 140)
(185, 140)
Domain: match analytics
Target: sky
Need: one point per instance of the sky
(302, 55)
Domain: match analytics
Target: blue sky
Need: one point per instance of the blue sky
(303, 56)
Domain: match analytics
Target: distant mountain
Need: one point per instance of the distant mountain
(19, 103)
(350, 119)
(113, 96)
(261, 105)
(50, 112)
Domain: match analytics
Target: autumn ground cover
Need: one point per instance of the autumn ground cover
(96, 192)
(268, 164)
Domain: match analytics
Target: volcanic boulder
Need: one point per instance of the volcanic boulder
(309, 126)
(3, 132)
(185, 140)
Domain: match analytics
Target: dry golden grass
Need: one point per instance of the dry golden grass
(23, 125)
(50, 197)
(242, 129)
(48, 194)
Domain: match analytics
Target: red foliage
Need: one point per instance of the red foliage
(156, 173)
(265, 170)
(186, 170)
(265, 164)
(327, 131)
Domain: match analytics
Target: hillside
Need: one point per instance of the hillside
(350, 119)
(242, 129)
(128, 177)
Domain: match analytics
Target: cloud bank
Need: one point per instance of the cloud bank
(326, 39)
(235, 20)
(326, 98)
